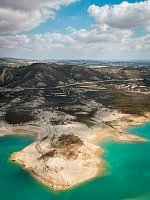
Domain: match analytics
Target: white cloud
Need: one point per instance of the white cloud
(17, 16)
(111, 37)
(94, 36)
(78, 44)
(123, 16)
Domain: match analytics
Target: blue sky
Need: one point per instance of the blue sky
(74, 15)
(75, 29)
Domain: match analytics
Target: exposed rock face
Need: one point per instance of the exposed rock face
(41, 74)
(60, 162)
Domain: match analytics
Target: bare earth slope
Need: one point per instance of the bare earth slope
(70, 109)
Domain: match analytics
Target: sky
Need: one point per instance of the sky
(75, 29)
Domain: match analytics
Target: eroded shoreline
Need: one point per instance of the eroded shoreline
(61, 172)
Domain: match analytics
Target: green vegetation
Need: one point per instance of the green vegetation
(87, 121)
(18, 117)
(132, 104)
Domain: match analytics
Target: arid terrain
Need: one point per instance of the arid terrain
(70, 108)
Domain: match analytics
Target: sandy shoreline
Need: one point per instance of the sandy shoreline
(117, 131)
(19, 130)
(61, 174)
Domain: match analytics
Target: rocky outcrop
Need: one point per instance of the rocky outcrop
(60, 162)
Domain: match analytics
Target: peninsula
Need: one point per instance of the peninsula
(71, 109)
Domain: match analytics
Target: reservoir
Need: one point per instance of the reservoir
(126, 177)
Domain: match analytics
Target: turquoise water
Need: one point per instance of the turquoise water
(143, 130)
(127, 175)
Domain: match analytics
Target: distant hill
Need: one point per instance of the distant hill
(43, 75)
(70, 89)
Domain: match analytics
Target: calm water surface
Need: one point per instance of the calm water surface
(127, 173)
